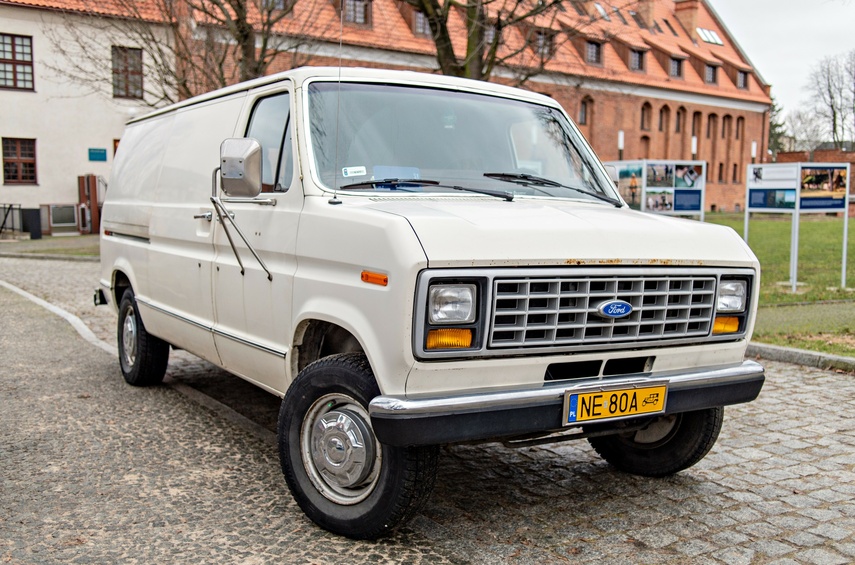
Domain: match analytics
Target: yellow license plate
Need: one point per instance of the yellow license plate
(619, 403)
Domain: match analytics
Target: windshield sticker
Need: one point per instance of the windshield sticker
(348, 172)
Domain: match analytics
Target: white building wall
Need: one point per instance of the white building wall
(65, 118)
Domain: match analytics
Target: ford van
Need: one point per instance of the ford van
(413, 260)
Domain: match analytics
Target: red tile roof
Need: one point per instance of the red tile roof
(318, 20)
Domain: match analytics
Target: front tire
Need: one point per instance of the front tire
(341, 476)
(142, 356)
(667, 445)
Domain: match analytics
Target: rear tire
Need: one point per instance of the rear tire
(667, 445)
(341, 476)
(142, 356)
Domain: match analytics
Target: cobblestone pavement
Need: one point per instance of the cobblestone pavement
(96, 471)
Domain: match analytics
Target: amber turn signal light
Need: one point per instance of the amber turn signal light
(449, 338)
(375, 278)
(726, 325)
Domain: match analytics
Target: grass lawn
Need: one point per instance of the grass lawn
(820, 316)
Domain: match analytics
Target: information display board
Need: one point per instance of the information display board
(663, 187)
(799, 188)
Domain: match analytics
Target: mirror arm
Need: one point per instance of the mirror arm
(223, 214)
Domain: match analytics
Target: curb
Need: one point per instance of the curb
(801, 357)
(50, 257)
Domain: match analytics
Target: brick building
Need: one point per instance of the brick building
(666, 73)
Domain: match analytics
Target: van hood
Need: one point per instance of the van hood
(456, 232)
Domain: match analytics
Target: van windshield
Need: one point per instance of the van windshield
(430, 140)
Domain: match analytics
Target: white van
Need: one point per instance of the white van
(410, 260)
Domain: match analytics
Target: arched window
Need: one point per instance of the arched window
(721, 172)
(645, 147)
(712, 125)
(586, 109)
(696, 123)
(680, 120)
(726, 126)
(646, 116)
(735, 173)
(740, 125)
(664, 118)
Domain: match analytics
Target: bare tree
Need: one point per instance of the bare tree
(519, 36)
(832, 96)
(807, 130)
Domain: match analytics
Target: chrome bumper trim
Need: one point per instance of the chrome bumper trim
(400, 406)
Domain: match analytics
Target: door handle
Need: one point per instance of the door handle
(205, 216)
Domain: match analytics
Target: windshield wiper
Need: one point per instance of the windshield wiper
(509, 196)
(526, 179)
(391, 182)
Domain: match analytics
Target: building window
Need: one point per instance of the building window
(602, 11)
(679, 120)
(709, 36)
(357, 12)
(646, 111)
(721, 172)
(741, 79)
(490, 34)
(544, 44)
(740, 125)
(594, 53)
(676, 68)
(583, 112)
(16, 62)
(710, 74)
(421, 25)
(19, 161)
(127, 72)
(735, 172)
(619, 15)
(664, 118)
(636, 60)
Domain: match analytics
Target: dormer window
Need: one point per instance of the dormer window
(710, 74)
(594, 53)
(675, 69)
(636, 60)
(741, 80)
(544, 43)
(357, 12)
(421, 26)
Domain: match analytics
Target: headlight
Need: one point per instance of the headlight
(732, 295)
(451, 304)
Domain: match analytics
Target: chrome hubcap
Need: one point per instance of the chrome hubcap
(129, 338)
(339, 449)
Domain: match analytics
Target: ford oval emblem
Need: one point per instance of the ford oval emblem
(615, 309)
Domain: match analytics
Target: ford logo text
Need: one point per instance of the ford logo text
(615, 309)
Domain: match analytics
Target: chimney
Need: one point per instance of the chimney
(687, 14)
(645, 10)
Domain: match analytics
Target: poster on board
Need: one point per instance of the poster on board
(773, 187)
(630, 177)
(823, 188)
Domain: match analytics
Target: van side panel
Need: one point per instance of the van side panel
(126, 213)
(179, 306)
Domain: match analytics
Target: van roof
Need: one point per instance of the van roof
(302, 74)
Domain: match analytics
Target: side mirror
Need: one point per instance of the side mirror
(240, 167)
(612, 171)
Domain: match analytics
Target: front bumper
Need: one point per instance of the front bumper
(433, 420)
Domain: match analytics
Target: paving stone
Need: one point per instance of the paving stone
(95, 471)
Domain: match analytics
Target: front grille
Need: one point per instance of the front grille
(562, 311)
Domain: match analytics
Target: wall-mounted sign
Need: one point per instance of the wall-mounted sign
(97, 154)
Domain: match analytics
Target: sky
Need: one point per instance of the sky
(785, 39)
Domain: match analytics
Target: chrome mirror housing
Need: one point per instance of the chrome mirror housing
(240, 167)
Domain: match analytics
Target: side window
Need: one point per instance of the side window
(269, 124)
